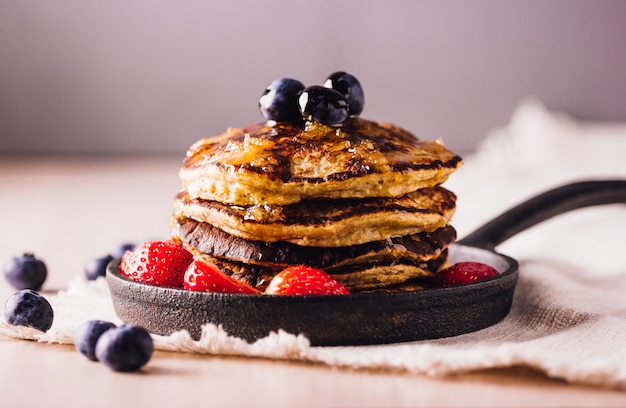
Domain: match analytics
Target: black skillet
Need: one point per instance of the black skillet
(365, 318)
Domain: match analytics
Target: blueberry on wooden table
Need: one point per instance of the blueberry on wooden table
(29, 308)
(125, 348)
(88, 334)
(25, 272)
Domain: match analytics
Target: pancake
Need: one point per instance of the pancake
(284, 163)
(375, 276)
(214, 242)
(327, 223)
(359, 199)
(360, 278)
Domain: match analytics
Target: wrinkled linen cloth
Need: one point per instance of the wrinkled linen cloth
(568, 318)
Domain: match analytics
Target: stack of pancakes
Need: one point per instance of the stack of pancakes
(361, 201)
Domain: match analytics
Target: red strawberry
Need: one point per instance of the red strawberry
(206, 277)
(303, 280)
(464, 272)
(159, 263)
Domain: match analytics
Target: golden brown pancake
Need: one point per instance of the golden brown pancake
(369, 266)
(327, 223)
(284, 163)
(417, 248)
(359, 278)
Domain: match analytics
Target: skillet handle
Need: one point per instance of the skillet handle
(546, 205)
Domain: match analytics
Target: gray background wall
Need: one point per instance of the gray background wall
(155, 75)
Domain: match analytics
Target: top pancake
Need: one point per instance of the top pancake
(285, 163)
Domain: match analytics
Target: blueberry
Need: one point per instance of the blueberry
(350, 87)
(279, 102)
(125, 348)
(87, 336)
(97, 267)
(323, 105)
(28, 308)
(120, 250)
(25, 272)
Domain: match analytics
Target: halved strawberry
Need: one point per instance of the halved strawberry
(464, 272)
(303, 280)
(205, 277)
(159, 263)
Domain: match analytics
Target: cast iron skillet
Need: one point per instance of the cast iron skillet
(366, 318)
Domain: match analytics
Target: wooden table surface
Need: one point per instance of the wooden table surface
(69, 209)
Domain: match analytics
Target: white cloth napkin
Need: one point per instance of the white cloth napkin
(568, 317)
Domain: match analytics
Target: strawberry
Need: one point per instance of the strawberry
(303, 280)
(159, 263)
(206, 277)
(464, 272)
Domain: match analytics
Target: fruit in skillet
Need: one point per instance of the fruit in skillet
(28, 308)
(159, 263)
(303, 280)
(25, 272)
(204, 277)
(464, 272)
